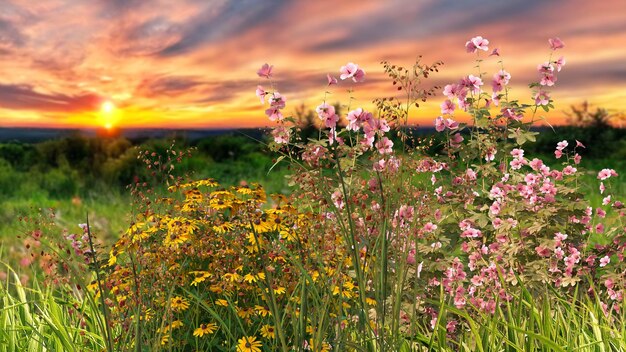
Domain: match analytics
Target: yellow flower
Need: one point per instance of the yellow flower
(232, 277)
(176, 324)
(261, 225)
(254, 278)
(279, 290)
(220, 204)
(164, 339)
(245, 312)
(268, 332)
(205, 329)
(262, 311)
(179, 303)
(248, 344)
(324, 348)
(221, 302)
(223, 228)
(200, 276)
(244, 190)
(370, 301)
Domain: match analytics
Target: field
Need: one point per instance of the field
(56, 178)
(338, 227)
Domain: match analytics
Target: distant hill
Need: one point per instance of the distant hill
(33, 135)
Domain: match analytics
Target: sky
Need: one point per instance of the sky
(193, 63)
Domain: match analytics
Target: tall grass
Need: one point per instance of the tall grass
(37, 319)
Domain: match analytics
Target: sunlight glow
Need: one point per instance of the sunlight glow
(107, 107)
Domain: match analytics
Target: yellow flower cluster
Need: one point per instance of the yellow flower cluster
(207, 252)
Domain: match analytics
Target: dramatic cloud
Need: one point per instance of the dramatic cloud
(193, 63)
(24, 97)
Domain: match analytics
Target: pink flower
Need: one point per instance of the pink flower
(281, 135)
(558, 154)
(474, 83)
(337, 198)
(561, 145)
(354, 120)
(496, 86)
(351, 70)
(577, 158)
(502, 76)
(455, 140)
(451, 124)
(274, 114)
(477, 43)
(277, 100)
(542, 98)
(545, 68)
(495, 52)
(511, 114)
(260, 92)
(451, 90)
(556, 43)
(548, 80)
(447, 107)
(569, 170)
(560, 63)
(517, 153)
(579, 144)
(440, 125)
(331, 80)
(265, 71)
(604, 261)
(429, 227)
(324, 110)
(606, 173)
(379, 165)
(384, 146)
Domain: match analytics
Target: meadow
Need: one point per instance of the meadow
(348, 233)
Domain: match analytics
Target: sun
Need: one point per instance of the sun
(107, 107)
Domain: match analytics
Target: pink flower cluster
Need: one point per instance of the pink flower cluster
(547, 72)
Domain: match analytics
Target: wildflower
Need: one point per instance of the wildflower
(281, 135)
(604, 261)
(245, 313)
(556, 43)
(205, 329)
(495, 52)
(606, 173)
(331, 80)
(274, 114)
(221, 302)
(447, 107)
(265, 71)
(260, 92)
(439, 124)
(474, 83)
(337, 198)
(179, 303)
(248, 344)
(351, 70)
(262, 311)
(477, 43)
(384, 146)
(268, 332)
(542, 98)
(199, 276)
(560, 63)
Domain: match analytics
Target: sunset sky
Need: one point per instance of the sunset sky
(193, 63)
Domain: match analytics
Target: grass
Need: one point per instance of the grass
(38, 319)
